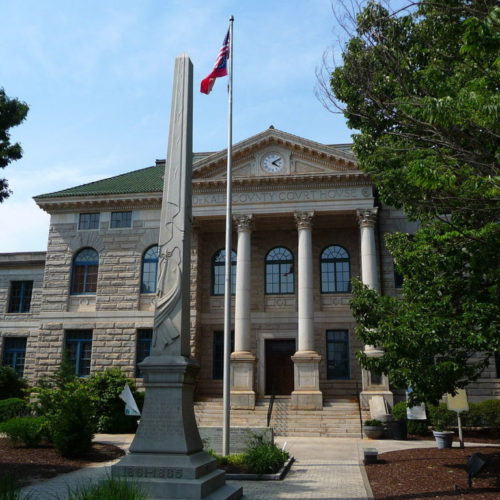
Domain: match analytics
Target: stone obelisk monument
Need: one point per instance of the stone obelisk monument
(166, 457)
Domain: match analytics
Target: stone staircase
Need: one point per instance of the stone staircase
(338, 418)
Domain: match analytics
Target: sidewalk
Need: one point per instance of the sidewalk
(325, 468)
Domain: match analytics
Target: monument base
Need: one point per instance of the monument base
(306, 395)
(242, 375)
(166, 458)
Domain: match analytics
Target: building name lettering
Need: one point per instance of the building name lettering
(283, 196)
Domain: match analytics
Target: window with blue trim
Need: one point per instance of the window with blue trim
(337, 354)
(88, 221)
(121, 219)
(20, 296)
(79, 350)
(85, 269)
(149, 270)
(219, 272)
(143, 350)
(335, 270)
(14, 353)
(279, 271)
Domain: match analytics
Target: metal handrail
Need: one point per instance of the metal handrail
(359, 409)
(271, 405)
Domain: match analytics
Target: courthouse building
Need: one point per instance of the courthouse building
(303, 215)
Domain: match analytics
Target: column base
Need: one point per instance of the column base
(166, 458)
(242, 377)
(306, 395)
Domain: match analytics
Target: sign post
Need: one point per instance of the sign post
(458, 404)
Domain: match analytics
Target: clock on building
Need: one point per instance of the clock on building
(272, 162)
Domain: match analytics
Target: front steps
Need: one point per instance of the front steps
(338, 418)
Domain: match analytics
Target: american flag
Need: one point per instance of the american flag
(220, 67)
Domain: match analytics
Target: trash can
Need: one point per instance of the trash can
(398, 428)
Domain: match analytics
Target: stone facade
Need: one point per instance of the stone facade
(314, 178)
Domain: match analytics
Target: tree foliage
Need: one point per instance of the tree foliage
(12, 113)
(421, 87)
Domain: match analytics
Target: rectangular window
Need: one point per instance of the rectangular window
(14, 353)
(79, 350)
(218, 355)
(143, 349)
(20, 296)
(89, 221)
(121, 219)
(337, 354)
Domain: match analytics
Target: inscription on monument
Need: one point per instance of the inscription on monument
(153, 472)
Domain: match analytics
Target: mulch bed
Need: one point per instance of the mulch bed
(430, 472)
(30, 465)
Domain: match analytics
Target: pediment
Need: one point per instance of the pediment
(301, 157)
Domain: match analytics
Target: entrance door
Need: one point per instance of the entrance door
(279, 366)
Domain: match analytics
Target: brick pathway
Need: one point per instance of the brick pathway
(325, 468)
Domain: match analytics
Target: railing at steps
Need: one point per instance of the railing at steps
(270, 409)
(359, 410)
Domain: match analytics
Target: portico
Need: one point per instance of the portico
(285, 298)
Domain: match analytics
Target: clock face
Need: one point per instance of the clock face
(272, 162)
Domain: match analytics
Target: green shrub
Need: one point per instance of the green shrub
(399, 411)
(12, 407)
(489, 411)
(105, 388)
(72, 422)
(265, 458)
(373, 423)
(11, 385)
(414, 427)
(28, 431)
(111, 489)
(440, 417)
(10, 489)
(472, 417)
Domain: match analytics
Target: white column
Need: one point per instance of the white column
(243, 284)
(374, 392)
(242, 359)
(306, 394)
(369, 261)
(305, 282)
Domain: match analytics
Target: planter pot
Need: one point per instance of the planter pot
(373, 432)
(443, 438)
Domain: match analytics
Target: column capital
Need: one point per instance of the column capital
(367, 217)
(303, 219)
(244, 222)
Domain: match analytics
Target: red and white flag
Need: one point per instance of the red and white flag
(220, 67)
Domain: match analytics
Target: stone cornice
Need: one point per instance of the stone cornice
(271, 182)
(107, 202)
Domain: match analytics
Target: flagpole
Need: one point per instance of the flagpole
(229, 230)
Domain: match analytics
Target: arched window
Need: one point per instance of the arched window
(279, 271)
(84, 272)
(335, 270)
(149, 270)
(218, 272)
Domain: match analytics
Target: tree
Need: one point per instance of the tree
(12, 113)
(421, 86)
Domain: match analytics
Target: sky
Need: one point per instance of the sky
(97, 76)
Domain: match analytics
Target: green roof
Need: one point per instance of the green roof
(145, 180)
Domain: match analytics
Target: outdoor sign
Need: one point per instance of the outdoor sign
(415, 412)
(130, 404)
(458, 402)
